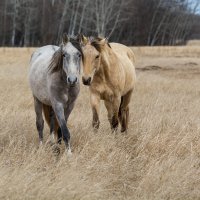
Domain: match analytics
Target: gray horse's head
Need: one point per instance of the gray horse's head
(67, 59)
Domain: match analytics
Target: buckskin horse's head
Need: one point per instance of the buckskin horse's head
(92, 50)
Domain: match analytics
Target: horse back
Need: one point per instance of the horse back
(126, 61)
(39, 64)
(123, 50)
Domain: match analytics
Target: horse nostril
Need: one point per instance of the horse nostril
(68, 80)
(83, 80)
(72, 80)
(86, 81)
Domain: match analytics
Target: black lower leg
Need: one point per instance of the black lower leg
(39, 119)
(59, 133)
(65, 135)
(114, 122)
(52, 120)
(40, 126)
(123, 120)
(95, 121)
(95, 124)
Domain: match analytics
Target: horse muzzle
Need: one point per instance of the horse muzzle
(72, 80)
(86, 81)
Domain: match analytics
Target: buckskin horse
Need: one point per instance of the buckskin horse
(108, 70)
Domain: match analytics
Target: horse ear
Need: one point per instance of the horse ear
(103, 41)
(65, 39)
(82, 39)
(107, 42)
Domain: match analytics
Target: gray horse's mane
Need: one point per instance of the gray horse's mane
(57, 59)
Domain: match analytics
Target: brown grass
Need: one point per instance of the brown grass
(193, 42)
(167, 51)
(159, 158)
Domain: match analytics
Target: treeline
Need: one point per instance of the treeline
(132, 22)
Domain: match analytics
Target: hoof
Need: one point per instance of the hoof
(95, 130)
(95, 125)
(56, 149)
(68, 152)
(114, 130)
(50, 143)
(123, 130)
(59, 141)
(41, 143)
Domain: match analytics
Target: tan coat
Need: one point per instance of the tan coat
(110, 72)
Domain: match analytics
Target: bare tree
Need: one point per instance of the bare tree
(158, 6)
(4, 23)
(106, 15)
(133, 22)
(62, 20)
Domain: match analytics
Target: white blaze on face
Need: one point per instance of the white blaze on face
(73, 62)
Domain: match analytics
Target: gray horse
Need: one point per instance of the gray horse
(54, 81)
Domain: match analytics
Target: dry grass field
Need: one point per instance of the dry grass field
(193, 42)
(159, 157)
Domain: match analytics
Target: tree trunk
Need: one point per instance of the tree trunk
(14, 24)
(62, 20)
(4, 24)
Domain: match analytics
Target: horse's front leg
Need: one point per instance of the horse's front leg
(68, 110)
(115, 117)
(113, 109)
(95, 103)
(60, 114)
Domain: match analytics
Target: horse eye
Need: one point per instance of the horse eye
(79, 55)
(64, 55)
(97, 56)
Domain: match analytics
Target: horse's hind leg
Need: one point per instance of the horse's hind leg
(53, 129)
(39, 118)
(52, 123)
(50, 119)
(124, 111)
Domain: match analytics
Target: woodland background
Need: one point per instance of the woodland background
(132, 22)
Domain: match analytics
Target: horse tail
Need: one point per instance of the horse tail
(48, 111)
(120, 107)
(131, 56)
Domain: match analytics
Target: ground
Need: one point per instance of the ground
(159, 157)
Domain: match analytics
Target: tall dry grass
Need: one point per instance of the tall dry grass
(168, 51)
(159, 158)
(193, 42)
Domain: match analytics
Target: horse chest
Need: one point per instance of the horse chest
(106, 96)
(105, 92)
(71, 95)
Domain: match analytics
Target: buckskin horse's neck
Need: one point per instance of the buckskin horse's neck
(105, 71)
